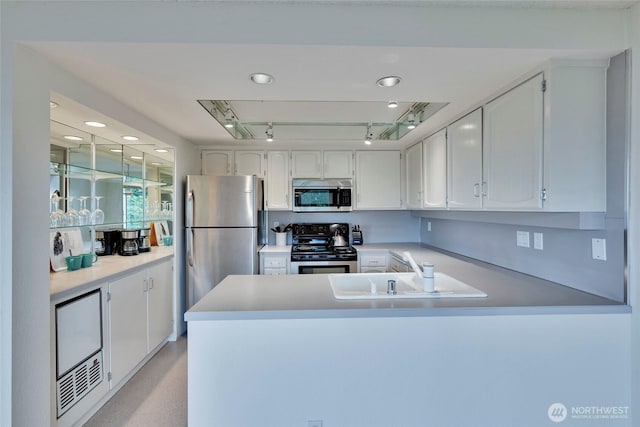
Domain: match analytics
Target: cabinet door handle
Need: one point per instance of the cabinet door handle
(151, 283)
(145, 285)
(484, 189)
(476, 189)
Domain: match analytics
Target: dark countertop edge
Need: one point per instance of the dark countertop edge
(383, 313)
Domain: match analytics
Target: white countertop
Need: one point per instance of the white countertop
(65, 283)
(310, 296)
(275, 249)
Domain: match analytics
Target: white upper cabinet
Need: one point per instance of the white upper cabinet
(277, 181)
(413, 157)
(306, 164)
(575, 137)
(338, 164)
(513, 148)
(378, 180)
(322, 164)
(217, 163)
(464, 162)
(545, 141)
(250, 163)
(434, 162)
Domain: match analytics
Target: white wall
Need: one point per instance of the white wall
(27, 78)
(376, 226)
(34, 78)
(446, 371)
(633, 214)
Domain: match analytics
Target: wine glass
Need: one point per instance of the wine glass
(56, 216)
(84, 216)
(72, 214)
(98, 215)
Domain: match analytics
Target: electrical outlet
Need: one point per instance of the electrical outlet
(599, 249)
(276, 223)
(314, 423)
(522, 239)
(428, 225)
(538, 241)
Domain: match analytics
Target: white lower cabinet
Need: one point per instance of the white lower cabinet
(274, 264)
(140, 316)
(159, 304)
(128, 324)
(375, 262)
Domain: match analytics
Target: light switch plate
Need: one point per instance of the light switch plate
(428, 225)
(522, 239)
(538, 241)
(599, 249)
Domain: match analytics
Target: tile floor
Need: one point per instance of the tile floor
(156, 396)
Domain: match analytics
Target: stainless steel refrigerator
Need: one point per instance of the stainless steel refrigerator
(224, 224)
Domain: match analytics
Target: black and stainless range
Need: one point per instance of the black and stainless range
(322, 248)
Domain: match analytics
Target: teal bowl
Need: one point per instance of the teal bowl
(167, 240)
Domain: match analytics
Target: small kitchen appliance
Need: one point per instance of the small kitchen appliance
(322, 195)
(356, 235)
(100, 243)
(322, 248)
(128, 242)
(144, 240)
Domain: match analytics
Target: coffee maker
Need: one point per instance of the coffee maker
(144, 240)
(107, 242)
(128, 242)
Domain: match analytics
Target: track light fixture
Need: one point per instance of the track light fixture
(411, 121)
(228, 118)
(369, 136)
(269, 132)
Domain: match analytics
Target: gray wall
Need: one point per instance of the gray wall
(376, 226)
(566, 257)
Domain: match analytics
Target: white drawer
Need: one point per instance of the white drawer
(275, 262)
(275, 271)
(373, 260)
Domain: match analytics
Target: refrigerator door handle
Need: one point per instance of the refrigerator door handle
(190, 206)
(190, 233)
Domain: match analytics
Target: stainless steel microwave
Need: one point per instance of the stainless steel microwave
(322, 195)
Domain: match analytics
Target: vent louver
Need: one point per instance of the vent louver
(78, 382)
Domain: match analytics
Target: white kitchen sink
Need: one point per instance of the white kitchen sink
(361, 286)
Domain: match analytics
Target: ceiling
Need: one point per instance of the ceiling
(164, 81)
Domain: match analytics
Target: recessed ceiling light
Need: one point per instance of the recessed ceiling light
(116, 150)
(53, 104)
(73, 138)
(95, 124)
(161, 150)
(388, 81)
(130, 138)
(261, 78)
(392, 104)
(136, 157)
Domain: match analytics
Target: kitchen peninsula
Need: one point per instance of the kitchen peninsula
(284, 347)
